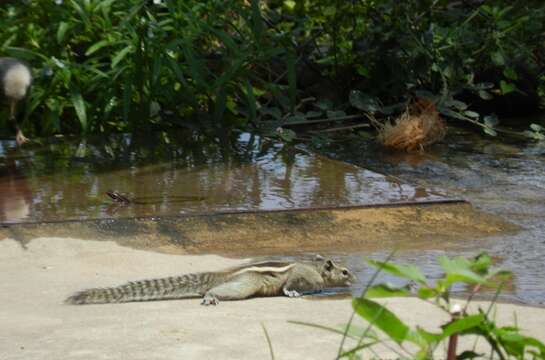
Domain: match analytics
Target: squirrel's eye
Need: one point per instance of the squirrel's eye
(345, 272)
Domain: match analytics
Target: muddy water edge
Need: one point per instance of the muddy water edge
(503, 177)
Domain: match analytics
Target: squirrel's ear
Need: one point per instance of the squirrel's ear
(318, 257)
(328, 265)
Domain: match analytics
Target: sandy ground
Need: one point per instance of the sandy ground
(35, 324)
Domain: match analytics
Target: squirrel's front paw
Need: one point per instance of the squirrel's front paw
(291, 293)
(209, 300)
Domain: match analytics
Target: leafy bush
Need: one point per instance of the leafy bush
(117, 65)
(505, 342)
(105, 65)
(383, 51)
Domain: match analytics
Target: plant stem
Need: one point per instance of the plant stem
(369, 283)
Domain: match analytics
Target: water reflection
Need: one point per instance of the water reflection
(186, 173)
(15, 193)
(500, 176)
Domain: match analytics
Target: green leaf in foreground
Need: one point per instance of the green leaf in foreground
(410, 272)
(460, 269)
(381, 318)
(386, 290)
(461, 325)
(518, 345)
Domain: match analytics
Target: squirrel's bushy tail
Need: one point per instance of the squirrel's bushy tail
(155, 289)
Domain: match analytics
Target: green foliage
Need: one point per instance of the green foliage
(105, 65)
(115, 65)
(504, 341)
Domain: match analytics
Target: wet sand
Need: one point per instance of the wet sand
(37, 325)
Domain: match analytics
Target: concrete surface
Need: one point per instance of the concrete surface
(35, 324)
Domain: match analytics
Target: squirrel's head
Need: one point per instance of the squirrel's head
(335, 275)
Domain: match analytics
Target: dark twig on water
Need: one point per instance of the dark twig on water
(341, 128)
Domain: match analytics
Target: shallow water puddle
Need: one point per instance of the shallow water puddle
(68, 180)
(238, 196)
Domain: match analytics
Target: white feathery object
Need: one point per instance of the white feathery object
(15, 81)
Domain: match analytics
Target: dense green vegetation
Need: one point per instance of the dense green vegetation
(105, 65)
(384, 329)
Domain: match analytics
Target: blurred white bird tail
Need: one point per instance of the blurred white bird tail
(16, 81)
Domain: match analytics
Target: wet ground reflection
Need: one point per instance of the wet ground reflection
(189, 173)
(497, 176)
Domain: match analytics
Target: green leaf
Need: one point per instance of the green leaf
(458, 269)
(386, 290)
(97, 46)
(79, 106)
(381, 318)
(490, 131)
(534, 135)
(485, 95)
(460, 325)
(105, 6)
(355, 349)
(468, 354)
(491, 120)
(497, 58)
(506, 87)
(426, 292)
(287, 135)
(471, 114)
(536, 127)
(61, 31)
(364, 102)
(516, 343)
(81, 11)
(410, 272)
(25, 54)
(510, 74)
(361, 70)
(290, 4)
(352, 334)
(121, 55)
(421, 336)
(458, 105)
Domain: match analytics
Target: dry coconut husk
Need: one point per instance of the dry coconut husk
(419, 126)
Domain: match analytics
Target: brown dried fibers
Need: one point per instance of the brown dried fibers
(419, 126)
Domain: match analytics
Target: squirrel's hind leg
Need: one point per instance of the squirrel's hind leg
(236, 289)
